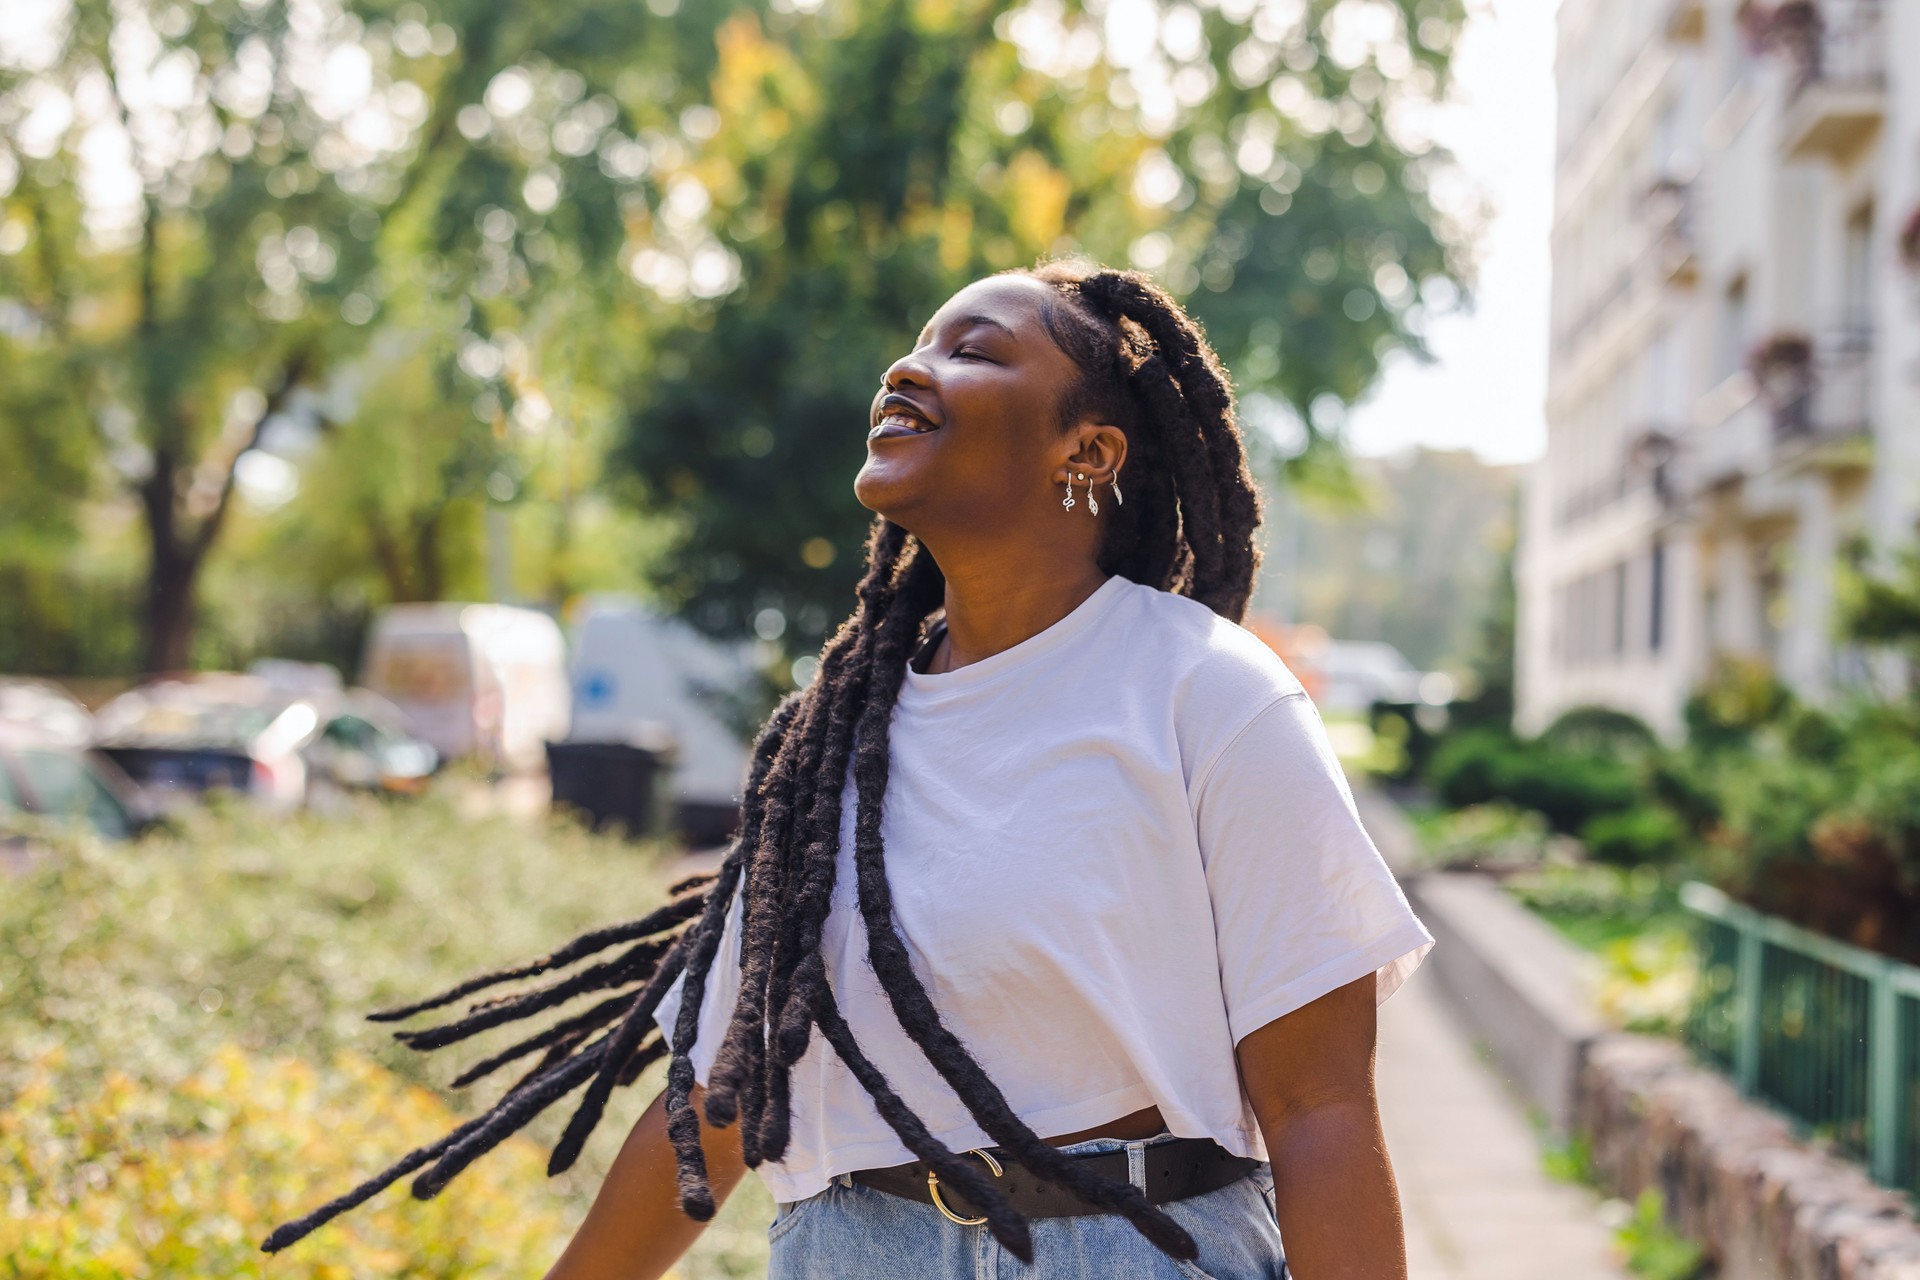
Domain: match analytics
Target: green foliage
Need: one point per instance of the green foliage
(194, 964)
(1593, 730)
(1595, 904)
(1565, 788)
(1821, 824)
(1640, 836)
(1494, 832)
(1568, 1159)
(1653, 1250)
(878, 155)
(1632, 922)
(1740, 696)
(185, 1178)
(309, 200)
(443, 256)
(1880, 607)
(1468, 768)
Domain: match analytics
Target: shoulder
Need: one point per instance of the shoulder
(1200, 652)
(1215, 676)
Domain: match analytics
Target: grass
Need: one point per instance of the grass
(1647, 1246)
(239, 947)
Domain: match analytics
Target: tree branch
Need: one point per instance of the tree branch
(288, 381)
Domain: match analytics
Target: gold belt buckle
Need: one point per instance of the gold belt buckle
(933, 1189)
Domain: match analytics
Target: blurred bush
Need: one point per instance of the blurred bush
(1821, 824)
(1642, 835)
(1494, 833)
(186, 1177)
(181, 1024)
(1600, 731)
(1632, 922)
(1566, 788)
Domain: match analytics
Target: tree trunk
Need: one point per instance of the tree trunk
(172, 573)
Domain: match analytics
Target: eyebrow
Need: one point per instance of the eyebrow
(967, 322)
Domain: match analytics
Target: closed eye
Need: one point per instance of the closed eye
(968, 353)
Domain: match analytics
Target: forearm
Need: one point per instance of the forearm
(635, 1229)
(1339, 1210)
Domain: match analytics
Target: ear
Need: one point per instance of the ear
(1097, 450)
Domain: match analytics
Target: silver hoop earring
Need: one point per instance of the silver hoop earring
(1093, 503)
(1067, 502)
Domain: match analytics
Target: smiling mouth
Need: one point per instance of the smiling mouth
(897, 424)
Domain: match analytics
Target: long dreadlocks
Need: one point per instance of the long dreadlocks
(1146, 368)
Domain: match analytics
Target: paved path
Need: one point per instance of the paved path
(1478, 1204)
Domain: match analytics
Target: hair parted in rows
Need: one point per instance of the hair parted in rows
(1186, 526)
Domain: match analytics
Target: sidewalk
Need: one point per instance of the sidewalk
(1478, 1205)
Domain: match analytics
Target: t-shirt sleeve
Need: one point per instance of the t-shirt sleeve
(716, 1009)
(1303, 903)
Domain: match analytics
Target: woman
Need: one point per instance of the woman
(1051, 922)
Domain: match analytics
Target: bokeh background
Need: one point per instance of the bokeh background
(426, 441)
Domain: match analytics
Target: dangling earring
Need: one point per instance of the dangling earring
(1114, 480)
(1093, 503)
(1067, 502)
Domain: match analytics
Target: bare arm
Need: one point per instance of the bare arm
(1310, 1077)
(635, 1230)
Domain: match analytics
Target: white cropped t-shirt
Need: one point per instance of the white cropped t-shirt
(1115, 849)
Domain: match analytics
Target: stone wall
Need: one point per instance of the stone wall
(1766, 1205)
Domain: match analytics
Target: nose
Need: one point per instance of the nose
(906, 371)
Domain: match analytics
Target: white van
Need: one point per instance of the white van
(473, 679)
(635, 673)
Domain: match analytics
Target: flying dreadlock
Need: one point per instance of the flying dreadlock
(1146, 368)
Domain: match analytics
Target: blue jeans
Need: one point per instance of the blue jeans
(853, 1232)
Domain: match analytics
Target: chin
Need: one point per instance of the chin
(887, 489)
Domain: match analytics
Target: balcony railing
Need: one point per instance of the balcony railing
(1819, 390)
(1727, 451)
(1837, 69)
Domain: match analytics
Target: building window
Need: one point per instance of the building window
(1856, 279)
(1730, 330)
(1656, 594)
(1619, 610)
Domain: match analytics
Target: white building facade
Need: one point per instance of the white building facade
(1734, 377)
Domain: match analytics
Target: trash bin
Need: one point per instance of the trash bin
(610, 782)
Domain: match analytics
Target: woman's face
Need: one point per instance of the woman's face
(964, 434)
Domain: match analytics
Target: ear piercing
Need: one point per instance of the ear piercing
(1093, 503)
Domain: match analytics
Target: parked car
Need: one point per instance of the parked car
(45, 706)
(251, 734)
(473, 679)
(46, 778)
(180, 737)
(367, 745)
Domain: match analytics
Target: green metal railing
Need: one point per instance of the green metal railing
(1825, 1032)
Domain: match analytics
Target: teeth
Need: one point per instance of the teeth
(903, 420)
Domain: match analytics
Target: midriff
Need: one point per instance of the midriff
(1145, 1123)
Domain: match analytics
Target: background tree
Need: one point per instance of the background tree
(437, 257)
(209, 208)
(868, 158)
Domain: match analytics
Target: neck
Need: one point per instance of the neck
(994, 605)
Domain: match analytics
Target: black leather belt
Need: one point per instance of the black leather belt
(1174, 1171)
